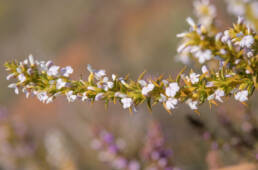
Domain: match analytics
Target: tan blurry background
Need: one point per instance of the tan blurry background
(121, 36)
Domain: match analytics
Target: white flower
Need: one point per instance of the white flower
(22, 78)
(205, 69)
(31, 60)
(108, 85)
(99, 74)
(247, 41)
(14, 86)
(10, 76)
(162, 98)
(209, 84)
(53, 70)
(147, 89)
(84, 96)
(99, 96)
(26, 92)
(211, 97)
(242, 96)
(218, 94)
(121, 95)
(91, 88)
(192, 104)
(203, 55)
(50, 100)
(42, 96)
(60, 83)
(170, 103)
(194, 78)
(226, 37)
(113, 77)
(142, 83)
(127, 102)
(172, 89)
(191, 22)
(70, 96)
(66, 71)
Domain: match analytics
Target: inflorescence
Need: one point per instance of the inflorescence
(234, 51)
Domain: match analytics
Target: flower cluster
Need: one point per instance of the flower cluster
(234, 51)
(152, 155)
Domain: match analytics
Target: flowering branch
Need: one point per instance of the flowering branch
(235, 50)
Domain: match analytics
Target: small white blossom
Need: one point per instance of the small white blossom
(42, 96)
(205, 69)
(113, 77)
(99, 74)
(211, 97)
(49, 100)
(247, 41)
(19, 70)
(170, 103)
(84, 96)
(203, 55)
(209, 84)
(70, 96)
(226, 37)
(162, 98)
(119, 94)
(10, 76)
(31, 60)
(218, 94)
(14, 86)
(172, 89)
(66, 71)
(191, 22)
(53, 70)
(91, 88)
(192, 104)
(60, 83)
(21, 78)
(242, 96)
(194, 78)
(26, 92)
(250, 54)
(108, 85)
(99, 96)
(147, 89)
(127, 102)
(142, 83)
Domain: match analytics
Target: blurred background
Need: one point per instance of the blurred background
(121, 36)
